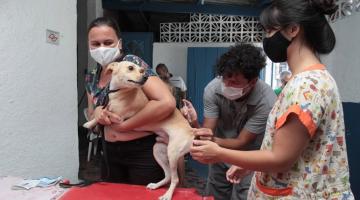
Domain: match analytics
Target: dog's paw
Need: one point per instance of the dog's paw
(86, 125)
(152, 186)
(165, 197)
(90, 124)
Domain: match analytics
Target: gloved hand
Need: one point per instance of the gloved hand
(189, 111)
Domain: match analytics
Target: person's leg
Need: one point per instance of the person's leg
(142, 166)
(240, 191)
(217, 185)
(112, 169)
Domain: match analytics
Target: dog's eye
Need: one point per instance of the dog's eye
(131, 68)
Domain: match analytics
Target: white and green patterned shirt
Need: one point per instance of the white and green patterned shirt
(322, 170)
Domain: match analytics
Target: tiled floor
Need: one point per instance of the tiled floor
(195, 173)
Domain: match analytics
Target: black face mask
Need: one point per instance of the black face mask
(275, 47)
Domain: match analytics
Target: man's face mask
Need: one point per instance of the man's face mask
(233, 93)
(276, 46)
(105, 55)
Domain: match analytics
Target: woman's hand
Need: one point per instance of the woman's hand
(105, 117)
(235, 174)
(205, 151)
(189, 111)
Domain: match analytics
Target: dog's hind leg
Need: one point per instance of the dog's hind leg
(174, 153)
(160, 154)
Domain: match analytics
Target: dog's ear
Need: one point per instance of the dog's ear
(111, 67)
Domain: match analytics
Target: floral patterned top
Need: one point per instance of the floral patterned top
(91, 85)
(322, 170)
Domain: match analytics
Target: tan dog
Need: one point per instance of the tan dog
(129, 77)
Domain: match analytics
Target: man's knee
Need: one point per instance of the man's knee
(240, 191)
(219, 190)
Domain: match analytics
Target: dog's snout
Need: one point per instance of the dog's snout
(144, 79)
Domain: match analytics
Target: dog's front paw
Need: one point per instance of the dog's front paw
(90, 124)
(152, 186)
(165, 197)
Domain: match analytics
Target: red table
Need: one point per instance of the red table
(112, 191)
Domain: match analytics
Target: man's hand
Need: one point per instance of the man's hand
(189, 111)
(203, 134)
(235, 174)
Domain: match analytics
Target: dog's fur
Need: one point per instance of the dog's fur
(129, 77)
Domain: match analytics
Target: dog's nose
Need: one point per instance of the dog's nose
(144, 79)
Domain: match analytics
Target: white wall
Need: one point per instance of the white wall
(38, 101)
(344, 61)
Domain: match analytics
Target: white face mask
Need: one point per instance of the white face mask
(232, 93)
(105, 55)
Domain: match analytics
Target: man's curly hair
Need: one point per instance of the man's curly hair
(241, 58)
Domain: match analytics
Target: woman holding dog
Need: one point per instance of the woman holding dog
(129, 154)
(303, 154)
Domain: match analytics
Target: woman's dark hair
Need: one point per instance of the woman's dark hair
(309, 14)
(161, 66)
(105, 21)
(164, 67)
(241, 58)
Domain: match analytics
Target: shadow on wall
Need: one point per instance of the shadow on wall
(351, 115)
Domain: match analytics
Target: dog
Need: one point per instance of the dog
(127, 99)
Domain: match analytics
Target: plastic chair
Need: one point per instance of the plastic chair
(92, 137)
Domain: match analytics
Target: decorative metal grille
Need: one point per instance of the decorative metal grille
(345, 9)
(223, 28)
(213, 28)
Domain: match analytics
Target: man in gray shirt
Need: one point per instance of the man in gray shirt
(236, 107)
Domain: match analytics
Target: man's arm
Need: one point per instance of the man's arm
(240, 143)
(255, 125)
(210, 123)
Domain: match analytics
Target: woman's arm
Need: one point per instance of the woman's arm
(99, 111)
(161, 105)
(289, 142)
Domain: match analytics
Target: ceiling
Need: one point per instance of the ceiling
(233, 7)
(146, 15)
(235, 2)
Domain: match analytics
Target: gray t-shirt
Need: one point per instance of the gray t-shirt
(250, 112)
